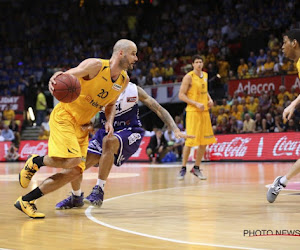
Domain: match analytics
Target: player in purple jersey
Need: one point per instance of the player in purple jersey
(117, 149)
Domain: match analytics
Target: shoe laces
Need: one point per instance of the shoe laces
(30, 173)
(95, 192)
(278, 188)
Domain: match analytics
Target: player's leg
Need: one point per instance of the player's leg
(196, 169)
(206, 137)
(116, 149)
(281, 181)
(64, 149)
(110, 148)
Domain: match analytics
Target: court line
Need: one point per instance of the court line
(88, 213)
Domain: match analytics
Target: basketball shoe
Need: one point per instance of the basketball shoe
(29, 208)
(197, 172)
(274, 190)
(72, 201)
(28, 171)
(181, 174)
(96, 197)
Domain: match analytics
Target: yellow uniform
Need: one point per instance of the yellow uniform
(67, 139)
(198, 123)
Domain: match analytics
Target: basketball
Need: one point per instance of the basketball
(67, 88)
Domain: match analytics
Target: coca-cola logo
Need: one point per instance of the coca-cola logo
(40, 149)
(286, 147)
(235, 148)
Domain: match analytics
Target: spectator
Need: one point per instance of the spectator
(8, 113)
(258, 124)
(45, 129)
(157, 147)
(279, 125)
(269, 67)
(41, 107)
(269, 123)
(15, 128)
(173, 143)
(242, 69)
(249, 124)
(7, 133)
(12, 154)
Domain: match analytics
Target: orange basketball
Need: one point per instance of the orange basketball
(67, 88)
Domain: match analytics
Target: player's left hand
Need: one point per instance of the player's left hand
(109, 129)
(179, 134)
(210, 103)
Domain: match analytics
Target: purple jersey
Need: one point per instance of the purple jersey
(127, 127)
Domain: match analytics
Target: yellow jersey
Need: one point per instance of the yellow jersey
(198, 91)
(95, 94)
(298, 67)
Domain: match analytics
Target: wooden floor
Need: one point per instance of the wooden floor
(146, 207)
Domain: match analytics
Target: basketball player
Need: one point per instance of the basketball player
(118, 148)
(291, 50)
(102, 81)
(194, 92)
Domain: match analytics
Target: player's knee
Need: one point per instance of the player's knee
(109, 142)
(72, 162)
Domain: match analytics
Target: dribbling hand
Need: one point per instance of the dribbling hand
(109, 129)
(52, 81)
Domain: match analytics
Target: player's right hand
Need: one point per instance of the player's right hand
(52, 81)
(200, 106)
(288, 112)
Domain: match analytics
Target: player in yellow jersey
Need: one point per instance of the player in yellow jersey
(194, 92)
(291, 50)
(102, 81)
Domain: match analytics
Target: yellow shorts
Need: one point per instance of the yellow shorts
(199, 125)
(67, 139)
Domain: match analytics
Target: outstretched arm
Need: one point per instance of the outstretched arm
(162, 113)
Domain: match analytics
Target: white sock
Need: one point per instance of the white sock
(283, 180)
(101, 183)
(77, 193)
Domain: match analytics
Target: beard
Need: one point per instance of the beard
(125, 64)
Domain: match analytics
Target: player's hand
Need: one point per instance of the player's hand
(210, 103)
(288, 112)
(88, 127)
(52, 81)
(109, 129)
(200, 106)
(179, 134)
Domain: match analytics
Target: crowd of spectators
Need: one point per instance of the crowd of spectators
(237, 38)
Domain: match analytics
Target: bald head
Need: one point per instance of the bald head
(124, 45)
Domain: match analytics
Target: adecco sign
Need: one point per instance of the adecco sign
(255, 85)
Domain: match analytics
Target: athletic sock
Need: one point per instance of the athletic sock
(196, 167)
(101, 183)
(33, 195)
(77, 193)
(183, 167)
(283, 180)
(39, 161)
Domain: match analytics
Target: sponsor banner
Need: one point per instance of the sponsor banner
(32, 147)
(16, 103)
(292, 80)
(4, 146)
(255, 147)
(255, 85)
(140, 154)
(239, 147)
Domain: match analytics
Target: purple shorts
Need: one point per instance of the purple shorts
(129, 138)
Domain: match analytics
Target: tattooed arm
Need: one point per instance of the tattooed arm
(162, 113)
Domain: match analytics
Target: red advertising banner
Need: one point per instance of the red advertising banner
(4, 146)
(140, 154)
(239, 147)
(255, 85)
(16, 103)
(292, 80)
(32, 147)
(255, 147)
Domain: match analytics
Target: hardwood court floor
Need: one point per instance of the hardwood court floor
(146, 207)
